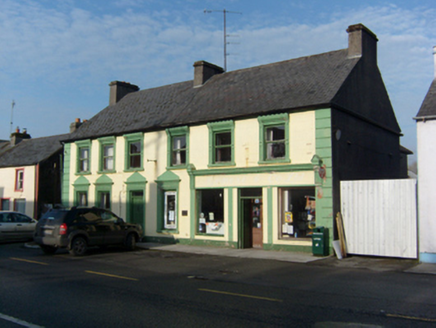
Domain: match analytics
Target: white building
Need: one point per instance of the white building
(426, 130)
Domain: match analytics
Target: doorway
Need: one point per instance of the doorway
(136, 210)
(250, 218)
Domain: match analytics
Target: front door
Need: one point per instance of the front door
(136, 213)
(251, 220)
(257, 223)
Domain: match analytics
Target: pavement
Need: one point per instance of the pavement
(352, 261)
(372, 263)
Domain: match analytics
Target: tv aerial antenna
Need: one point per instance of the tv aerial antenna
(225, 12)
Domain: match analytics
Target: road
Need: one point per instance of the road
(144, 288)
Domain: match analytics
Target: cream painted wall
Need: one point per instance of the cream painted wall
(246, 142)
(7, 187)
(302, 137)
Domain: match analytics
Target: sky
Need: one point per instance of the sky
(57, 57)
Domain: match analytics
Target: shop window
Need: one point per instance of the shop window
(107, 154)
(211, 211)
(274, 138)
(297, 212)
(170, 210)
(83, 156)
(19, 179)
(221, 144)
(178, 141)
(133, 156)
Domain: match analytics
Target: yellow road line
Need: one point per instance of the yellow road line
(410, 318)
(29, 261)
(240, 295)
(112, 275)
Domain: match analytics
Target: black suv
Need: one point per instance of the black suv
(78, 228)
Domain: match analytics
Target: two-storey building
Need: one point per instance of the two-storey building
(246, 158)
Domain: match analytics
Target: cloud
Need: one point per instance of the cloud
(74, 52)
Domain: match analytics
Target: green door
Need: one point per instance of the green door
(136, 214)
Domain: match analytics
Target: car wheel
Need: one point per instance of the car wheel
(49, 250)
(130, 242)
(78, 246)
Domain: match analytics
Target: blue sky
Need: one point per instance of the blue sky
(58, 57)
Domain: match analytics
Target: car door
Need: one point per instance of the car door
(25, 226)
(7, 226)
(114, 230)
(90, 222)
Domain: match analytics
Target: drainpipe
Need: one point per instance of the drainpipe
(36, 198)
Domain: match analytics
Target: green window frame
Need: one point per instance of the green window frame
(81, 188)
(221, 143)
(274, 139)
(134, 152)
(178, 147)
(107, 155)
(103, 192)
(83, 157)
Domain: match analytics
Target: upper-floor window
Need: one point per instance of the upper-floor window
(178, 140)
(133, 152)
(84, 159)
(107, 154)
(83, 156)
(274, 138)
(19, 179)
(221, 145)
(275, 142)
(108, 157)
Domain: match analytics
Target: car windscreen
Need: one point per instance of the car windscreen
(54, 215)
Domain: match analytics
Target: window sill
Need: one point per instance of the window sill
(223, 164)
(107, 172)
(275, 161)
(138, 169)
(83, 173)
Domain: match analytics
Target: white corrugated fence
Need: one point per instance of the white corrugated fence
(379, 217)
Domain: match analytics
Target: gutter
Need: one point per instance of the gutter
(425, 118)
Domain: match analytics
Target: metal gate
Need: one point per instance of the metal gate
(380, 217)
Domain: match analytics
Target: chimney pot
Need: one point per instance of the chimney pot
(18, 136)
(119, 89)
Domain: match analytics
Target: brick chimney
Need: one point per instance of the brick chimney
(75, 125)
(203, 71)
(119, 89)
(362, 42)
(18, 136)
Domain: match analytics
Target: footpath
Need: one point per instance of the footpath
(358, 262)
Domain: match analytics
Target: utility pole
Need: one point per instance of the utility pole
(225, 32)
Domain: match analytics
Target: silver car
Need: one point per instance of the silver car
(16, 226)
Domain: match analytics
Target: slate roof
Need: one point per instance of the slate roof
(428, 107)
(32, 151)
(307, 82)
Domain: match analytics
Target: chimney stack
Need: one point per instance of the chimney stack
(75, 125)
(18, 136)
(434, 58)
(203, 71)
(362, 42)
(119, 89)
